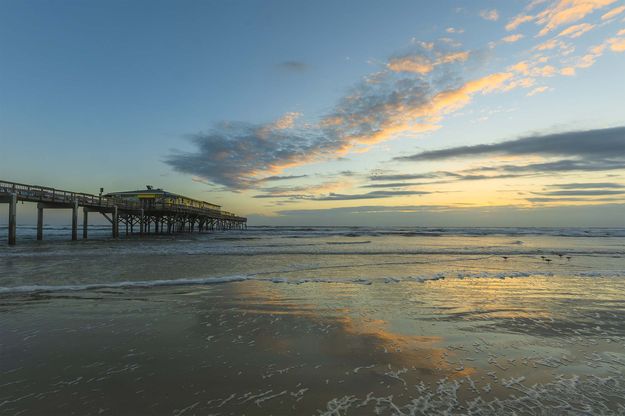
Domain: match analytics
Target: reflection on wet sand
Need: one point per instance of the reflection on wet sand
(486, 346)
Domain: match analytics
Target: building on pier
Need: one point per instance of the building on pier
(151, 198)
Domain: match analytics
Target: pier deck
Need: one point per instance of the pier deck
(159, 217)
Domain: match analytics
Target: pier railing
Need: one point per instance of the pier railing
(35, 193)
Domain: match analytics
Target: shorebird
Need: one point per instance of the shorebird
(547, 260)
(568, 257)
(504, 257)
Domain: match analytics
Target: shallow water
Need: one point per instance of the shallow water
(327, 321)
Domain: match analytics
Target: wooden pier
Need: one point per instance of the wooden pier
(155, 215)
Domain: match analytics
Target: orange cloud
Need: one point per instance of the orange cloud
(452, 100)
(402, 119)
(520, 83)
(453, 57)
(530, 68)
(614, 12)
(544, 71)
(421, 64)
(617, 44)
(522, 67)
(567, 11)
(287, 120)
(568, 71)
(512, 38)
(413, 63)
(576, 31)
(518, 20)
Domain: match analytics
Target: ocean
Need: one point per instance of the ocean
(315, 320)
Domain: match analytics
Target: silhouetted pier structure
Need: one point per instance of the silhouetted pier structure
(144, 211)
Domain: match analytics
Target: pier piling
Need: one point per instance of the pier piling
(141, 223)
(74, 220)
(115, 218)
(39, 222)
(12, 218)
(85, 223)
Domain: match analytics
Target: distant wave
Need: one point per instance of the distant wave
(32, 289)
(348, 242)
(375, 231)
(332, 249)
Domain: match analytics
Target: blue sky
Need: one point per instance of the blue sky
(283, 110)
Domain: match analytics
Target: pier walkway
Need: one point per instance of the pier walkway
(156, 215)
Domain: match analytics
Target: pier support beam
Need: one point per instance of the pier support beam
(141, 223)
(74, 220)
(115, 222)
(12, 219)
(39, 222)
(85, 222)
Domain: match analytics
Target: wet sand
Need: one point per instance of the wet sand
(530, 345)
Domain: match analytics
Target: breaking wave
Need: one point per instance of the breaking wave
(32, 289)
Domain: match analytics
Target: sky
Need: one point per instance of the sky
(447, 113)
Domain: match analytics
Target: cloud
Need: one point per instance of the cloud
(551, 44)
(448, 58)
(576, 31)
(401, 177)
(379, 108)
(333, 196)
(441, 177)
(584, 192)
(306, 191)
(294, 66)
(537, 90)
(232, 154)
(394, 184)
(567, 11)
(605, 144)
(420, 64)
(454, 30)
(560, 13)
(512, 38)
(588, 214)
(533, 69)
(587, 185)
(566, 165)
(462, 177)
(517, 21)
(492, 15)
(411, 63)
(612, 13)
(617, 44)
(566, 199)
(286, 121)
(281, 178)
(568, 71)
(368, 195)
(409, 95)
